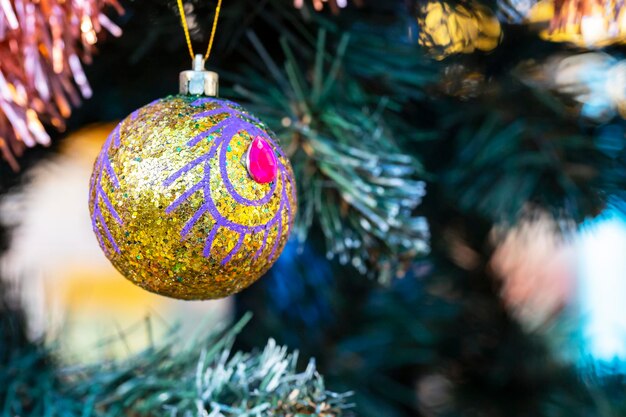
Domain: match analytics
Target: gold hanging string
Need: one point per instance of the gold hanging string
(183, 20)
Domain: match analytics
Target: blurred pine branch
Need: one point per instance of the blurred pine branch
(200, 376)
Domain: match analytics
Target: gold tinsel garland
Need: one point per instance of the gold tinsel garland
(586, 23)
(42, 45)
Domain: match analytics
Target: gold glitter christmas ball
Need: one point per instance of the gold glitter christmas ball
(192, 197)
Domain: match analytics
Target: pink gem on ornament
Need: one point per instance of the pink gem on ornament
(261, 163)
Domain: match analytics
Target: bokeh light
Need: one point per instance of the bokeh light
(535, 263)
(594, 81)
(68, 287)
(602, 289)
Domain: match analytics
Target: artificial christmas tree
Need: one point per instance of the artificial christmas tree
(449, 178)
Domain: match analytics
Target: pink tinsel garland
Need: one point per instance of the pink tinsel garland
(42, 44)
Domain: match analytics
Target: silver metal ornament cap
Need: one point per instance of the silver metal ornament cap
(198, 81)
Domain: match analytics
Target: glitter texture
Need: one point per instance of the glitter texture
(173, 205)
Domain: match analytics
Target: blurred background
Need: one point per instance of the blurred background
(460, 247)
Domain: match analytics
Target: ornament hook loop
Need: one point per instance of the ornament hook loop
(198, 81)
(198, 63)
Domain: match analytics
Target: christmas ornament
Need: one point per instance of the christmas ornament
(191, 196)
(42, 44)
(447, 29)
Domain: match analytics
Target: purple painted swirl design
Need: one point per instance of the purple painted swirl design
(235, 121)
(100, 199)
(101, 168)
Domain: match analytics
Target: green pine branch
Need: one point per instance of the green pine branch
(200, 376)
(355, 181)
